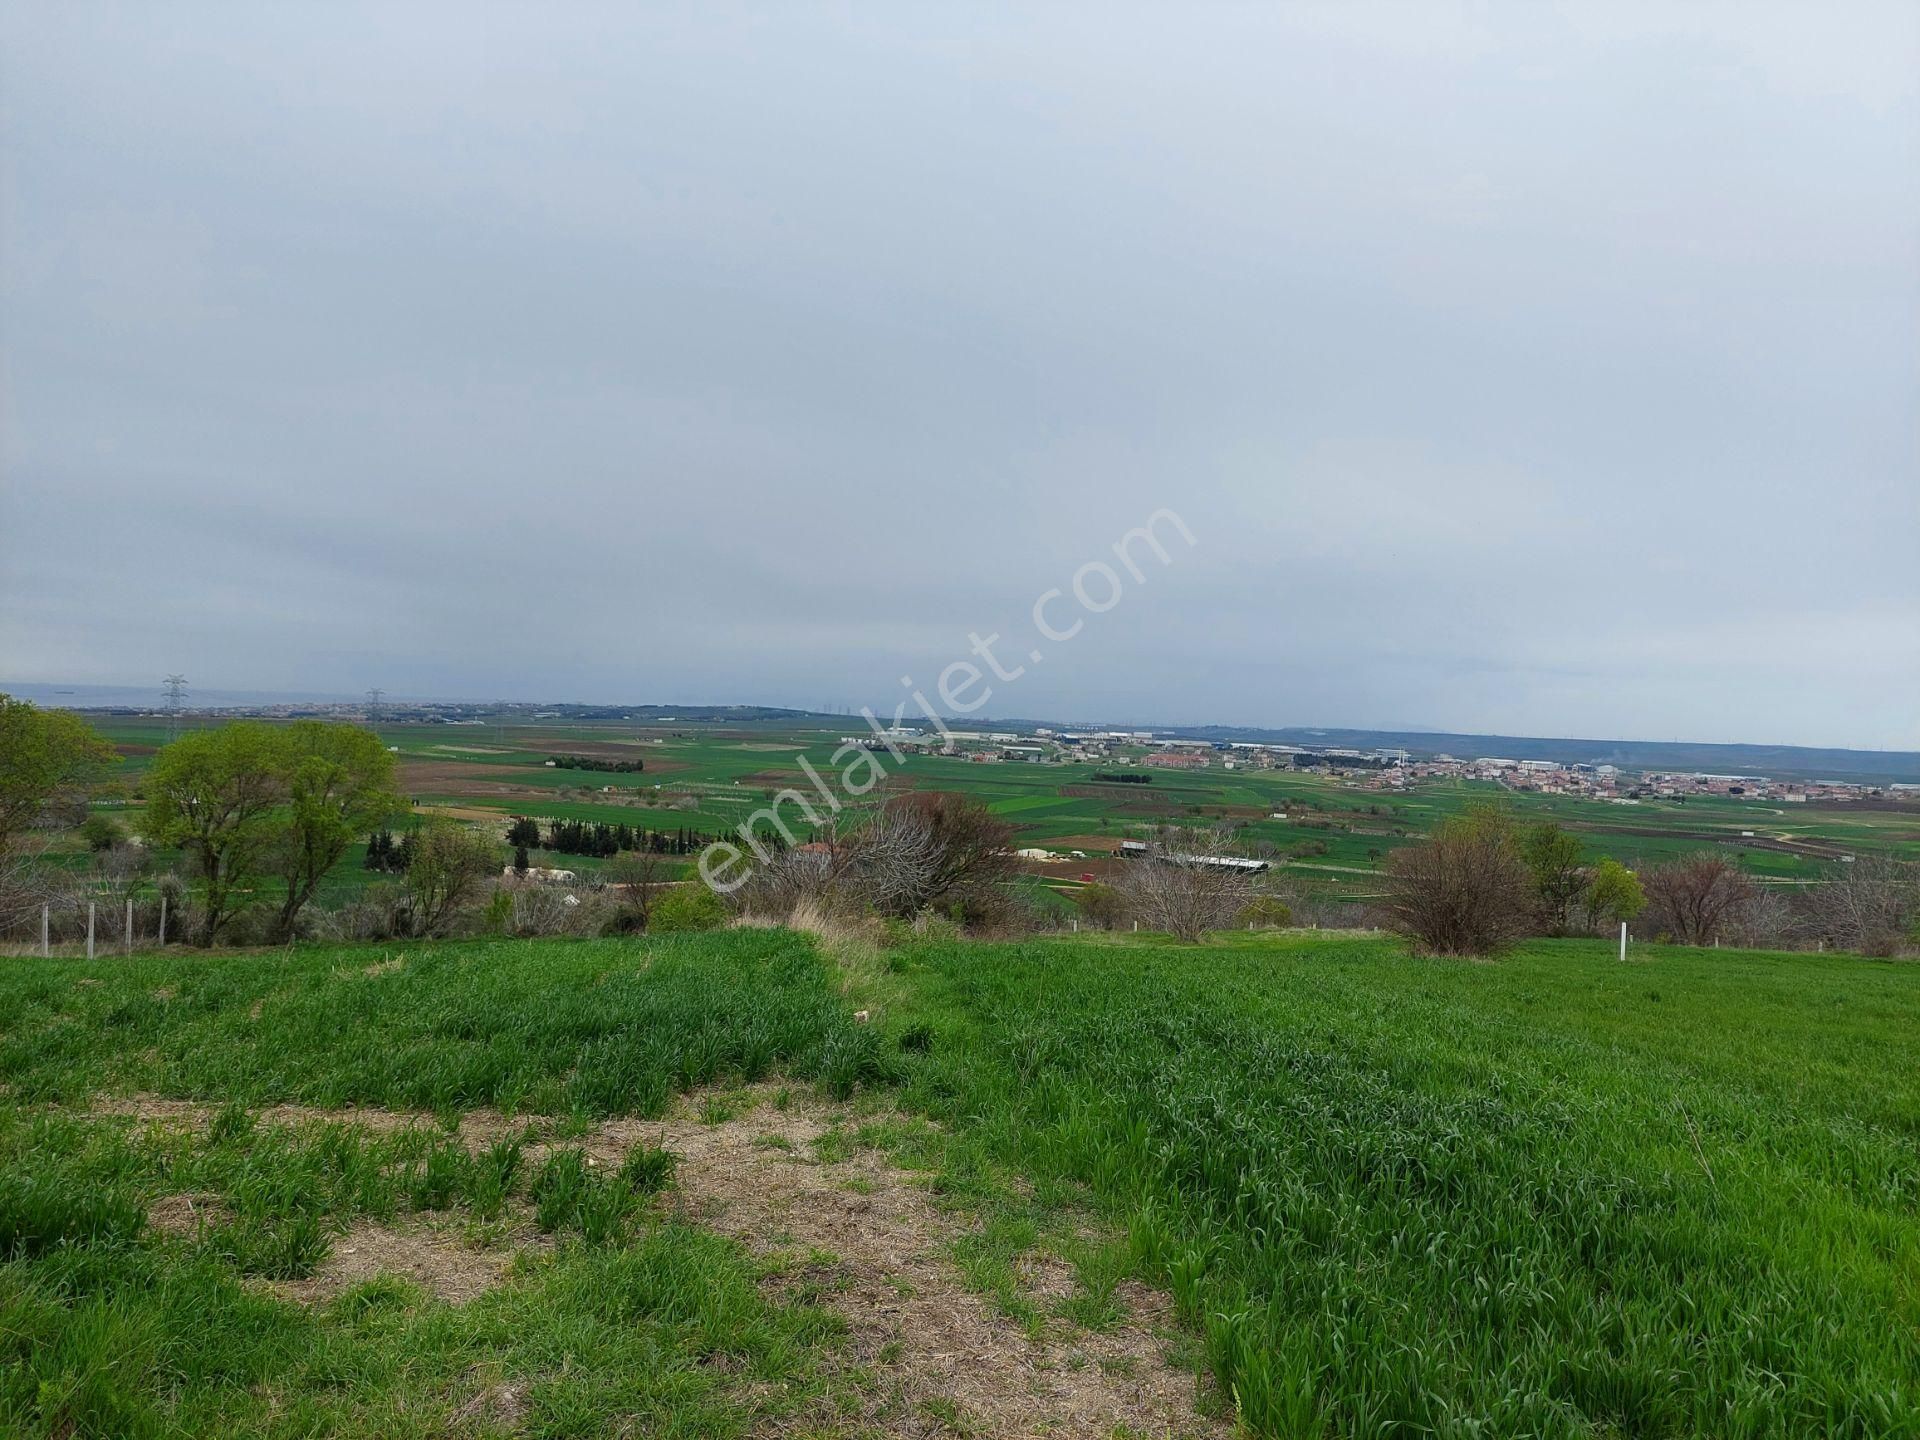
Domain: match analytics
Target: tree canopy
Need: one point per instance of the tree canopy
(251, 799)
(43, 754)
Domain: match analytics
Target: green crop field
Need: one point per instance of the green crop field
(1551, 1195)
(1334, 833)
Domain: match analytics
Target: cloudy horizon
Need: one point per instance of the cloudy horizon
(1514, 370)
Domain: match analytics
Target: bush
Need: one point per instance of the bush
(1177, 886)
(1697, 899)
(686, 907)
(1100, 906)
(1266, 912)
(449, 864)
(101, 832)
(1465, 892)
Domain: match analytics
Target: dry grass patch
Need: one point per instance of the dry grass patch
(439, 1258)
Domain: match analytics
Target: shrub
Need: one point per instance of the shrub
(686, 907)
(449, 863)
(1101, 906)
(101, 832)
(1266, 912)
(1177, 887)
(1465, 892)
(1698, 898)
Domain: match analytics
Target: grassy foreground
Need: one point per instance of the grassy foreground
(1549, 1196)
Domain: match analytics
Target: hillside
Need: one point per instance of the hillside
(679, 1186)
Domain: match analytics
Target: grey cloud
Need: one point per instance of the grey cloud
(1518, 369)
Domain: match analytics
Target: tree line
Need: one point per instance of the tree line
(588, 762)
(598, 839)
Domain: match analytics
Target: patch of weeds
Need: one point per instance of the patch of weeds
(647, 1170)
(1100, 1269)
(987, 1258)
(834, 1146)
(286, 1247)
(943, 1410)
(772, 1142)
(444, 1174)
(559, 1188)
(603, 1211)
(233, 1122)
(491, 1175)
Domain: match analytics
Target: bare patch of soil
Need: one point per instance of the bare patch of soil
(436, 1258)
(910, 1316)
(186, 1214)
(761, 1177)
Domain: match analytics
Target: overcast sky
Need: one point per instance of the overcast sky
(1522, 368)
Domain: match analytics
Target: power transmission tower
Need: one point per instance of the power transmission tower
(176, 690)
(374, 697)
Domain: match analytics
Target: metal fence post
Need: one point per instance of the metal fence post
(89, 929)
(127, 943)
(163, 922)
(45, 950)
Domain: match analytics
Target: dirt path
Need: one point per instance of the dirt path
(947, 1359)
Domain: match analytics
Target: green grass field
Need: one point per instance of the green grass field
(1552, 1195)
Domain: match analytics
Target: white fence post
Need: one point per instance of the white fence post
(1623, 942)
(89, 929)
(45, 950)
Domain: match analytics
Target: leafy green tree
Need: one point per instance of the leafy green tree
(524, 833)
(43, 754)
(339, 781)
(101, 832)
(448, 865)
(1613, 894)
(212, 793)
(1559, 873)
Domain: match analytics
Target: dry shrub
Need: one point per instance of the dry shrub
(1179, 887)
(899, 858)
(1871, 906)
(1467, 891)
(536, 911)
(1698, 899)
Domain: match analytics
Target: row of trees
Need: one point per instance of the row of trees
(1481, 883)
(600, 840)
(589, 762)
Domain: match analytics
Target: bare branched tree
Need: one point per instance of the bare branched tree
(639, 874)
(1467, 891)
(1871, 906)
(1697, 899)
(1187, 883)
(898, 858)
